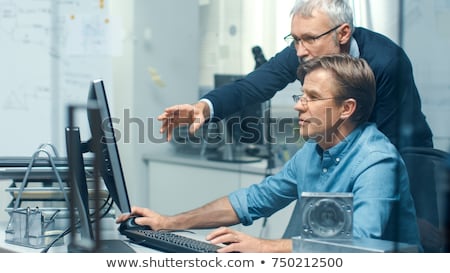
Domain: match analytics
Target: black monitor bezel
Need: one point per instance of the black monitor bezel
(111, 170)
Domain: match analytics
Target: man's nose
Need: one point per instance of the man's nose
(299, 107)
(301, 50)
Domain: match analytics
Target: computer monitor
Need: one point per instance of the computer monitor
(102, 131)
(106, 162)
(78, 183)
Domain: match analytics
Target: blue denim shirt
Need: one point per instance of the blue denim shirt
(365, 163)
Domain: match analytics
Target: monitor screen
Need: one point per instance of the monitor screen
(102, 132)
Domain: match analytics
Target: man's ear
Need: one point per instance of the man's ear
(348, 108)
(344, 34)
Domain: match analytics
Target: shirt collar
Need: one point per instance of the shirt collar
(354, 49)
(337, 152)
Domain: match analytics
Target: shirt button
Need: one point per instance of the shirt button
(324, 170)
(337, 159)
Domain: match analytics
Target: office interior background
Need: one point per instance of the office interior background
(153, 54)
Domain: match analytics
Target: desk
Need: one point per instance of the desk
(108, 234)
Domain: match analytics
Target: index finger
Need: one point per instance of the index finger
(217, 232)
(123, 217)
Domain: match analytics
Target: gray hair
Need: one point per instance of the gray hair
(338, 11)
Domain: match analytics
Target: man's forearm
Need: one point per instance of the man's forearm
(214, 214)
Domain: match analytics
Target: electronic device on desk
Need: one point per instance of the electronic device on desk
(327, 215)
(327, 227)
(107, 159)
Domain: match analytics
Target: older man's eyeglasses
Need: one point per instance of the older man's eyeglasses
(307, 40)
(304, 101)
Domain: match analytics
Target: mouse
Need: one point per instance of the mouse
(130, 224)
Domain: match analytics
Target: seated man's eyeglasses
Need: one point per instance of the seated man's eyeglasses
(304, 101)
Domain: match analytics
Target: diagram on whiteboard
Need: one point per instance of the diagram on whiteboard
(51, 50)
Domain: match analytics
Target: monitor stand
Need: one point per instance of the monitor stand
(115, 246)
(105, 246)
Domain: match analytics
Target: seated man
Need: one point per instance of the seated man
(343, 153)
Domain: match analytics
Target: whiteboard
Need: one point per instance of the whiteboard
(50, 51)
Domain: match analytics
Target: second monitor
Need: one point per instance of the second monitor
(243, 132)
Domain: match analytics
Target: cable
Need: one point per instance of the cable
(62, 234)
(108, 204)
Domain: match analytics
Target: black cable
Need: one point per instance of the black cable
(61, 235)
(108, 202)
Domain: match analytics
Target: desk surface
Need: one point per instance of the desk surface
(108, 234)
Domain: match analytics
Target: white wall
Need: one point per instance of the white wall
(230, 28)
(157, 68)
(380, 15)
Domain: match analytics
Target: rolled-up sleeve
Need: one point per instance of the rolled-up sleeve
(238, 200)
(265, 198)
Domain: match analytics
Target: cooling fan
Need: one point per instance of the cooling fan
(327, 215)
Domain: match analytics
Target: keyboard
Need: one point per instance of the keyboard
(169, 242)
